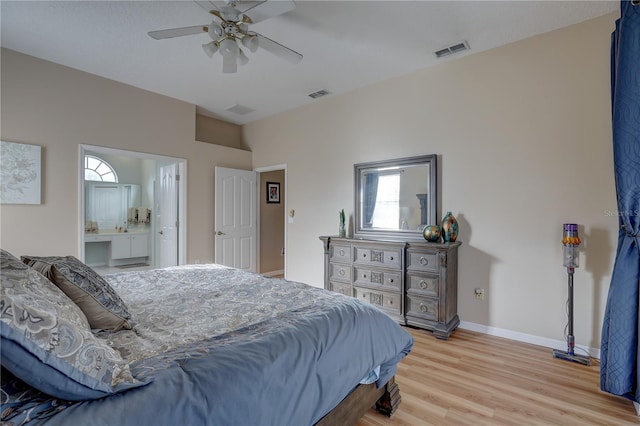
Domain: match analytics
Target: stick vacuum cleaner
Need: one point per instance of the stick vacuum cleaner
(570, 243)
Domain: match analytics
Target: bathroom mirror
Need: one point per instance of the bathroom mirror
(395, 199)
(108, 204)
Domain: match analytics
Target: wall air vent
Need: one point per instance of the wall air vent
(450, 50)
(319, 94)
(239, 109)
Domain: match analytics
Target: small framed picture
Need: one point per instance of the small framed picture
(273, 192)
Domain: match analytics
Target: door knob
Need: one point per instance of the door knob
(161, 233)
(220, 233)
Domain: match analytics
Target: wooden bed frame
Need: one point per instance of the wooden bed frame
(360, 400)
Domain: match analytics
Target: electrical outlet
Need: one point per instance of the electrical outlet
(479, 293)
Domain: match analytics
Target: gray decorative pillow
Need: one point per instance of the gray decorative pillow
(96, 298)
(47, 342)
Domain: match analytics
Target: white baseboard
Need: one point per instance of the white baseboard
(637, 407)
(528, 338)
(273, 273)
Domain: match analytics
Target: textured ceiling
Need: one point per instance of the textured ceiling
(346, 44)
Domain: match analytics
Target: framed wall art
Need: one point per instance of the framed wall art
(273, 192)
(20, 173)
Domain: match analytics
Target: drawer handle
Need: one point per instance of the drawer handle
(423, 308)
(391, 258)
(391, 280)
(341, 252)
(364, 275)
(390, 302)
(423, 284)
(364, 254)
(341, 272)
(424, 261)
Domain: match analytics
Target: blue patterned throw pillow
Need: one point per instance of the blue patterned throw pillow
(47, 342)
(96, 298)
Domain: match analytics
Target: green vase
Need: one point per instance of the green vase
(449, 228)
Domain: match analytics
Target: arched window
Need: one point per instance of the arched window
(98, 169)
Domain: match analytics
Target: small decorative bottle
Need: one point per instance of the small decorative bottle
(449, 228)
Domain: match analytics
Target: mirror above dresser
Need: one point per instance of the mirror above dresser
(395, 199)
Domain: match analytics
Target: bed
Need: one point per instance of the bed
(188, 345)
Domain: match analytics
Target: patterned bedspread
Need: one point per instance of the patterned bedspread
(183, 307)
(200, 330)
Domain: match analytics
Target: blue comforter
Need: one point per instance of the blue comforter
(227, 347)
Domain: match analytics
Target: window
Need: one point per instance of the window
(98, 169)
(387, 211)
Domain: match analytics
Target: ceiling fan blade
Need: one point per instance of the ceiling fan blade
(278, 49)
(212, 4)
(262, 10)
(177, 32)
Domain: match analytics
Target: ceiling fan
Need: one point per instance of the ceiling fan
(229, 30)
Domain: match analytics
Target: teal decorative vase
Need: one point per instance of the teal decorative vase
(342, 229)
(449, 228)
(432, 233)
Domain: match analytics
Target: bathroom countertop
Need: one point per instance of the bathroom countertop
(114, 232)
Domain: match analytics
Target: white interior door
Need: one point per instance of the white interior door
(235, 220)
(167, 215)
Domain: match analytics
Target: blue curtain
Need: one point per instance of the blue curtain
(370, 195)
(619, 364)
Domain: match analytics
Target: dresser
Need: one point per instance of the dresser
(415, 283)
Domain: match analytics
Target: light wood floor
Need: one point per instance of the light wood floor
(477, 379)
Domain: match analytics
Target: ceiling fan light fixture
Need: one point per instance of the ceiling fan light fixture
(210, 48)
(250, 41)
(229, 47)
(215, 31)
(242, 58)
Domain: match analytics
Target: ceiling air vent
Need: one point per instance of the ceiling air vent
(319, 94)
(450, 50)
(239, 109)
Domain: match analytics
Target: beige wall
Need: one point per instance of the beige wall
(523, 138)
(59, 108)
(271, 224)
(219, 132)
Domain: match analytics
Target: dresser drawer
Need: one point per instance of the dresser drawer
(425, 285)
(422, 261)
(422, 307)
(388, 258)
(340, 253)
(339, 272)
(390, 302)
(367, 276)
(341, 288)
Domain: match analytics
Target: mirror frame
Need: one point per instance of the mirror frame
(394, 234)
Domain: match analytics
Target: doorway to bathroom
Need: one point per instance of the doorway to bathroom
(136, 221)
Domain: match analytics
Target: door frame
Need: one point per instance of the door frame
(284, 199)
(182, 195)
